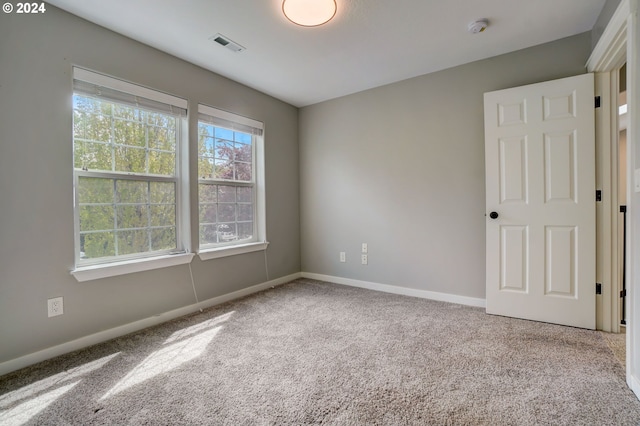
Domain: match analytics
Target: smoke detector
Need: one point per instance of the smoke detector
(478, 26)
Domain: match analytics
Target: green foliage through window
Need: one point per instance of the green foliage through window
(113, 137)
(125, 162)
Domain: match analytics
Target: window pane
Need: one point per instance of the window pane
(245, 230)
(127, 112)
(129, 133)
(95, 190)
(245, 194)
(163, 215)
(243, 153)
(132, 216)
(223, 169)
(132, 160)
(91, 105)
(92, 156)
(208, 234)
(207, 193)
(99, 244)
(131, 191)
(162, 138)
(205, 145)
(161, 120)
(163, 239)
(223, 133)
(224, 150)
(242, 137)
(226, 194)
(97, 127)
(227, 212)
(96, 218)
(245, 212)
(162, 192)
(126, 134)
(208, 213)
(79, 125)
(162, 163)
(243, 172)
(134, 241)
(227, 232)
(205, 167)
(205, 129)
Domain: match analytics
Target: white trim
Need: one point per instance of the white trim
(260, 217)
(633, 245)
(229, 116)
(610, 49)
(124, 86)
(607, 211)
(103, 336)
(95, 272)
(218, 252)
(634, 384)
(405, 291)
(620, 39)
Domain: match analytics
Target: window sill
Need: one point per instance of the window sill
(216, 253)
(95, 272)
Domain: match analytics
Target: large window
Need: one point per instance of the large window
(228, 190)
(127, 142)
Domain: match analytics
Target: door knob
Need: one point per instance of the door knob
(493, 215)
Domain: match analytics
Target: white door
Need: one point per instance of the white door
(540, 200)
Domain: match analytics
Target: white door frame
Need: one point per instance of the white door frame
(621, 39)
(607, 265)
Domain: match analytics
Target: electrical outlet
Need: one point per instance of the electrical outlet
(343, 257)
(365, 248)
(55, 307)
(365, 259)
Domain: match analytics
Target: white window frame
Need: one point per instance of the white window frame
(123, 264)
(228, 120)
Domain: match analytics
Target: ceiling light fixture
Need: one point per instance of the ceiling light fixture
(309, 13)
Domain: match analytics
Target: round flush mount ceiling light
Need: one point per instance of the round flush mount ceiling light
(478, 26)
(309, 13)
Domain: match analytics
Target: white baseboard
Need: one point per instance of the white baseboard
(442, 297)
(103, 336)
(634, 384)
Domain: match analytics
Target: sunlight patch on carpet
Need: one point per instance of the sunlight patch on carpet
(22, 413)
(57, 379)
(172, 356)
(185, 332)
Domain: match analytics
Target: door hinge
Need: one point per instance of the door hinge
(623, 293)
(597, 101)
(598, 288)
(598, 195)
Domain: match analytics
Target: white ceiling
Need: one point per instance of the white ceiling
(369, 43)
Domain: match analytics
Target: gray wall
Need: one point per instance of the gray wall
(401, 167)
(607, 12)
(36, 209)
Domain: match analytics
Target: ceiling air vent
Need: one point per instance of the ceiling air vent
(227, 42)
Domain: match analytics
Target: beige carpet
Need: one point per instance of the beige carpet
(310, 352)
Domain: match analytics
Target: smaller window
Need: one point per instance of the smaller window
(229, 179)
